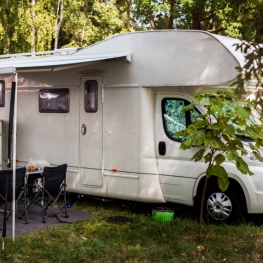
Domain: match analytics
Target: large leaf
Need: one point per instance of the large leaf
(232, 155)
(242, 166)
(188, 107)
(243, 112)
(219, 159)
(209, 171)
(199, 155)
(252, 147)
(229, 130)
(186, 144)
(254, 132)
(213, 143)
(215, 126)
(208, 157)
(258, 156)
(195, 137)
(201, 123)
(222, 177)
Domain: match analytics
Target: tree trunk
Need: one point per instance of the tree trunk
(196, 19)
(33, 32)
(259, 24)
(202, 208)
(171, 18)
(59, 22)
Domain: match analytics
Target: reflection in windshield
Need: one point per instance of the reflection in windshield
(254, 118)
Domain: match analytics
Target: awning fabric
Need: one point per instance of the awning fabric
(10, 65)
(7, 70)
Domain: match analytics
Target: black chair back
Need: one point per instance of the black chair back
(6, 183)
(53, 178)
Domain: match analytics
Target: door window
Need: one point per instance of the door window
(91, 96)
(2, 93)
(173, 119)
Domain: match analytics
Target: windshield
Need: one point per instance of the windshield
(254, 118)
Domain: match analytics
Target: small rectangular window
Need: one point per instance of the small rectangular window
(2, 93)
(91, 96)
(54, 100)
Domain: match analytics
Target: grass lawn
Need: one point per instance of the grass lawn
(107, 237)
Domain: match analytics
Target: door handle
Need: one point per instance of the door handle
(83, 129)
(162, 148)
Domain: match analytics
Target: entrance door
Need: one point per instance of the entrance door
(177, 172)
(91, 131)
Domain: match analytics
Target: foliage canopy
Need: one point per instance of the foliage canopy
(39, 25)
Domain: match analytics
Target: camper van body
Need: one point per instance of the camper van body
(123, 148)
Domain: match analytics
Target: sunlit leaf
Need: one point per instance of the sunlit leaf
(242, 166)
(199, 155)
(211, 142)
(229, 130)
(208, 157)
(209, 171)
(188, 107)
(219, 159)
(222, 177)
(232, 155)
(243, 112)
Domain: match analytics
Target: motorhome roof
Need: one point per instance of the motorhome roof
(180, 57)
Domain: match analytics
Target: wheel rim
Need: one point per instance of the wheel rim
(37, 185)
(219, 206)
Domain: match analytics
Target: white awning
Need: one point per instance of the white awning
(10, 65)
(7, 70)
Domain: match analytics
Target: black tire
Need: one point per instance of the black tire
(222, 207)
(34, 181)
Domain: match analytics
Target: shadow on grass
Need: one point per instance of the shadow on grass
(180, 211)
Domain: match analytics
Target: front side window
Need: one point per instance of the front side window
(54, 100)
(173, 119)
(91, 96)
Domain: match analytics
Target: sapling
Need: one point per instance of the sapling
(219, 130)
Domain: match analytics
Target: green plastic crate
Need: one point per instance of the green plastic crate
(162, 214)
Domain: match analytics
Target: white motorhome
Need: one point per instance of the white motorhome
(110, 112)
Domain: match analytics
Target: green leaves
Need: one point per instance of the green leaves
(242, 166)
(199, 155)
(194, 137)
(216, 130)
(222, 177)
(243, 112)
(221, 174)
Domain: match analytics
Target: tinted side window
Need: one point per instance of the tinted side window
(54, 100)
(173, 119)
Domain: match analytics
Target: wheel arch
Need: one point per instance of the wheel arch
(234, 185)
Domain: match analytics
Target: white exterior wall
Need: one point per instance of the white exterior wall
(149, 185)
(121, 141)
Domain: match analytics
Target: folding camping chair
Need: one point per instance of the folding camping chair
(6, 190)
(46, 195)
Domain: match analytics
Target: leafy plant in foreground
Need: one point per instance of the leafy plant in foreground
(219, 130)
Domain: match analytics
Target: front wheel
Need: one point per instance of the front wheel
(222, 206)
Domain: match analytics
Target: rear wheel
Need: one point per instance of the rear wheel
(222, 206)
(35, 183)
